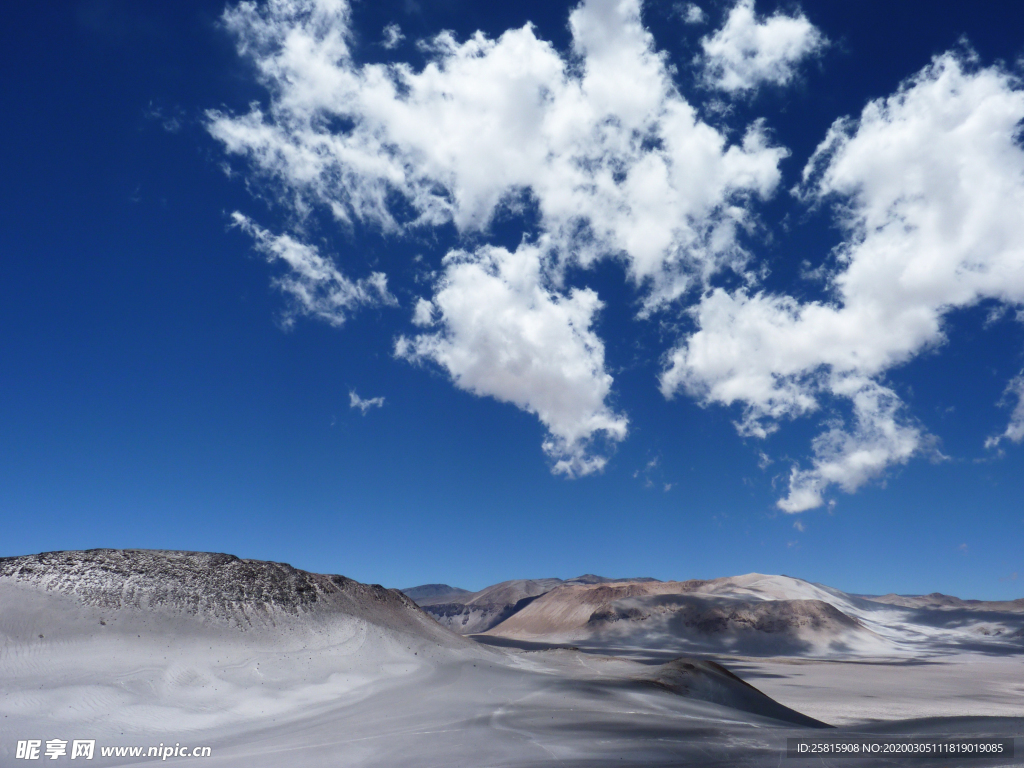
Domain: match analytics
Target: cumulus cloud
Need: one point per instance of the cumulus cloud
(1014, 431)
(610, 161)
(313, 282)
(928, 185)
(615, 159)
(597, 139)
(748, 52)
(503, 333)
(355, 401)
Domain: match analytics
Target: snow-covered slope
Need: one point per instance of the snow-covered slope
(273, 666)
(183, 639)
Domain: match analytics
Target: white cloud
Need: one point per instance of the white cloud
(355, 401)
(929, 186)
(505, 334)
(691, 13)
(316, 286)
(392, 36)
(617, 163)
(851, 456)
(746, 52)
(1014, 431)
(423, 313)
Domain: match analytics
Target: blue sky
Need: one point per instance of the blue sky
(436, 291)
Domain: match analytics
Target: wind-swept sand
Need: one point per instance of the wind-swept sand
(271, 666)
(869, 692)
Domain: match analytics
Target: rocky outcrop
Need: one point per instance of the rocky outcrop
(211, 587)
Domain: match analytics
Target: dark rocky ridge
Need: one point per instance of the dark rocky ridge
(203, 584)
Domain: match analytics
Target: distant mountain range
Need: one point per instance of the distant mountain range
(753, 614)
(939, 600)
(468, 613)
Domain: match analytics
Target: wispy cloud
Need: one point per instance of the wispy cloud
(171, 120)
(392, 37)
(1014, 431)
(691, 13)
(651, 475)
(355, 401)
(316, 286)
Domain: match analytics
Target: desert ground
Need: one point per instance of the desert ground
(272, 666)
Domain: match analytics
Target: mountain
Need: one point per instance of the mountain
(939, 600)
(695, 615)
(98, 591)
(428, 594)
(755, 615)
(305, 670)
(479, 611)
(468, 613)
